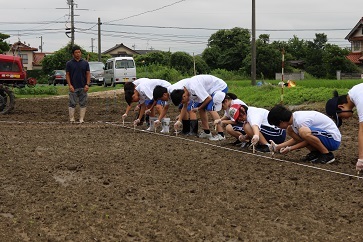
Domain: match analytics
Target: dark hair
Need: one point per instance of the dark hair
(278, 114)
(341, 99)
(128, 96)
(230, 96)
(177, 96)
(74, 48)
(159, 92)
(129, 86)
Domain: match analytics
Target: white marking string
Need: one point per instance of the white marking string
(195, 141)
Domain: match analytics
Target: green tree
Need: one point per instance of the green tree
(201, 66)
(58, 60)
(314, 56)
(227, 48)
(182, 62)
(334, 58)
(157, 57)
(4, 47)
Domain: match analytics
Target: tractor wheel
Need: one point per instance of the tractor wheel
(7, 100)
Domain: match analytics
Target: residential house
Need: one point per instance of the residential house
(355, 37)
(25, 52)
(123, 50)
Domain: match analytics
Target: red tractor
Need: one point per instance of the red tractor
(12, 74)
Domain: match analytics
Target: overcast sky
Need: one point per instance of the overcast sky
(175, 25)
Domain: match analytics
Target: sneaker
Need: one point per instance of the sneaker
(236, 143)
(217, 137)
(204, 135)
(325, 158)
(245, 144)
(263, 148)
(312, 156)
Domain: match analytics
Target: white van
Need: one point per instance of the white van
(119, 70)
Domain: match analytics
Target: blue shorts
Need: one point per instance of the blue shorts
(325, 138)
(211, 104)
(150, 102)
(238, 127)
(273, 133)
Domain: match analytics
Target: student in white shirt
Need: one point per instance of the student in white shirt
(189, 119)
(256, 126)
(341, 107)
(207, 93)
(310, 129)
(233, 128)
(143, 94)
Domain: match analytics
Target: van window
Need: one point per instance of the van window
(122, 64)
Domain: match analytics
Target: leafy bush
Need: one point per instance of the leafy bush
(37, 90)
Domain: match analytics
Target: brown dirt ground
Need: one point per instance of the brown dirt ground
(100, 181)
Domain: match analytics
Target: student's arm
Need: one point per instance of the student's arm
(127, 110)
(142, 110)
(360, 141)
(205, 102)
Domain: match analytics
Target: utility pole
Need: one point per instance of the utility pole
(253, 44)
(92, 39)
(99, 39)
(72, 21)
(41, 44)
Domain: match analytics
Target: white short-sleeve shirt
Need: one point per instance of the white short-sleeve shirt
(317, 120)
(258, 116)
(356, 96)
(202, 86)
(146, 88)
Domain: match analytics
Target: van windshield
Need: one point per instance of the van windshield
(98, 66)
(124, 64)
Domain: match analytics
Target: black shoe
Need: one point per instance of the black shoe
(245, 144)
(263, 148)
(312, 156)
(237, 142)
(325, 158)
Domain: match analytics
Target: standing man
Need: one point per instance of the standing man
(341, 107)
(78, 78)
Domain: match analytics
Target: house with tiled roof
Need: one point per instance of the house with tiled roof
(26, 52)
(355, 37)
(123, 50)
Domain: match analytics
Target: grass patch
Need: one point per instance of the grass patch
(266, 95)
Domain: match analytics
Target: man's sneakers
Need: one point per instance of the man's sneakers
(312, 156)
(204, 135)
(325, 158)
(316, 157)
(217, 137)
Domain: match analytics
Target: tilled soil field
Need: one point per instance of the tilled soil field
(100, 181)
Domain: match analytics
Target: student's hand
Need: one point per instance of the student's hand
(136, 122)
(217, 121)
(359, 165)
(255, 139)
(124, 115)
(195, 110)
(273, 146)
(285, 150)
(177, 125)
(157, 123)
(71, 88)
(242, 137)
(147, 111)
(137, 108)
